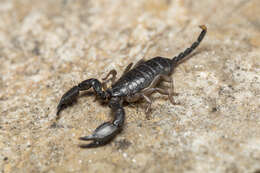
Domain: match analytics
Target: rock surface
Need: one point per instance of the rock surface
(48, 46)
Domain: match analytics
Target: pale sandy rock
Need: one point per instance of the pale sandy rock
(48, 46)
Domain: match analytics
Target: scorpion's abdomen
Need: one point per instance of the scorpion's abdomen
(141, 76)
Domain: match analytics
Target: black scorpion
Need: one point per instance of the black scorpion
(135, 83)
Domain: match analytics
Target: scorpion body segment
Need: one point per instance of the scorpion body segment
(136, 83)
(141, 77)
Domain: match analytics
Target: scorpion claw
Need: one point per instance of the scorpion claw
(87, 138)
(68, 98)
(92, 145)
(59, 108)
(102, 135)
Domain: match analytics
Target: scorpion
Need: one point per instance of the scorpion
(136, 82)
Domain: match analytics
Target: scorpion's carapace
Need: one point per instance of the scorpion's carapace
(136, 83)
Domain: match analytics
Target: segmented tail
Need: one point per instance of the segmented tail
(193, 46)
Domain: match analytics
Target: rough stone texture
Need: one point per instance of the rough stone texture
(48, 46)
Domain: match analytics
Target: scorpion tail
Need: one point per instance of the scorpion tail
(108, 130)
(176, 59)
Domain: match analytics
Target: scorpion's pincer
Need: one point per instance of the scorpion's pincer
(68, 98)
(108, 130)
(101, 136)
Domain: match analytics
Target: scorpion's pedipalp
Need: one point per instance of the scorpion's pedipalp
(102, 135)
(71, 95)
(108, 130)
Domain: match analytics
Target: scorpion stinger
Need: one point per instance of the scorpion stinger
(183, 54)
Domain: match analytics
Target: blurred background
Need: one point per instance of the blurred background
(46, 47)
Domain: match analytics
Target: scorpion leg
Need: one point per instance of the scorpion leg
(152, 89)
(144, 94)
(139, 62)
(161, 91)
(108, 130)
(113, 73)
(131, 64)
(165, 92)
(137, 96)
(106, 80)
(72, 94)
(128, 68)
(149, 103)
(170, 92)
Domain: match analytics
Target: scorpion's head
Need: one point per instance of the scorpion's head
(115, 102)
(108, 94)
